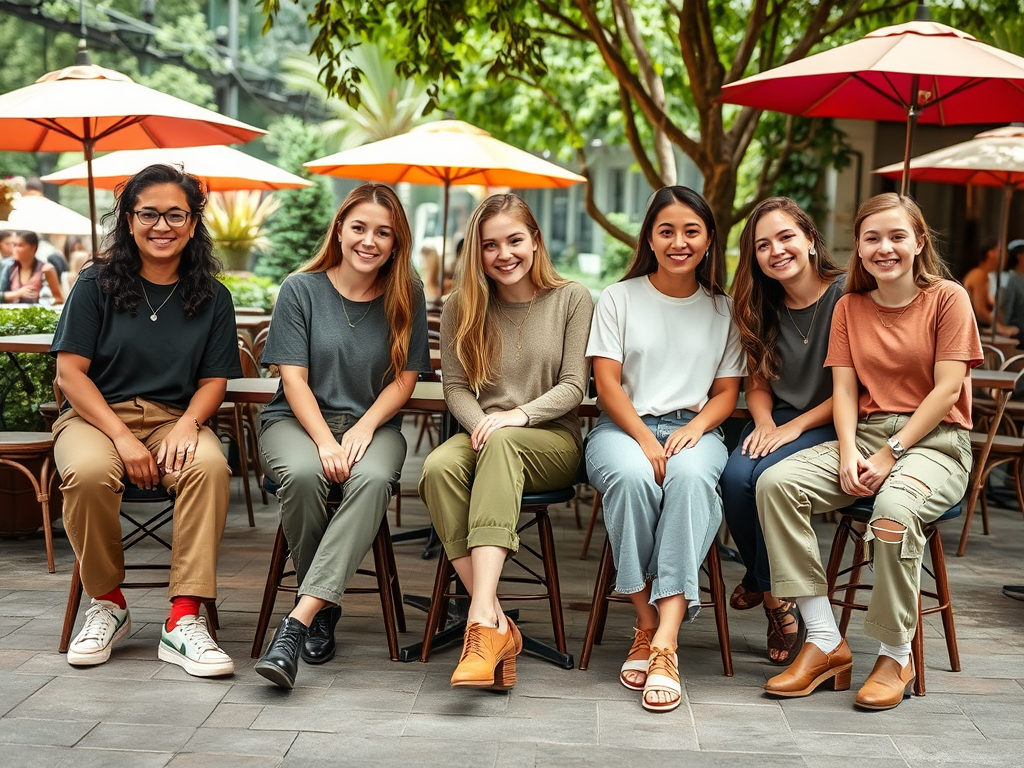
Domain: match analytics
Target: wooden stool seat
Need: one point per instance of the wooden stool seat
(141, 530)
(854, 518)
(384, 570)
(18, 446)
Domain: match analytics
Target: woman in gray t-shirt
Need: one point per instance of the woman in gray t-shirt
(350, 337)
(785, 290)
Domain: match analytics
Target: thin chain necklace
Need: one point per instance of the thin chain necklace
(146, 297)
(821, 292)
(345, 309)
(887, 325)
(520, 327)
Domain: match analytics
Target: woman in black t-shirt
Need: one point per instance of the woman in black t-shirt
(144, 349)
(785, 290)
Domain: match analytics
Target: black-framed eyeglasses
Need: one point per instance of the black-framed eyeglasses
(174, 217)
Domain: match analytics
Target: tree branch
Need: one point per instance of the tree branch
(656, 87)
(749, 42)
(633, 136)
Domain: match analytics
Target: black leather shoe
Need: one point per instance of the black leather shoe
(320, 646)
(280, 662)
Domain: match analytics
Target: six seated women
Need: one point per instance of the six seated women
(669, 349)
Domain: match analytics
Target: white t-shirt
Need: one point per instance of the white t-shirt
(671, 349)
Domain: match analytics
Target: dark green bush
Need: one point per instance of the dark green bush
(22, 392)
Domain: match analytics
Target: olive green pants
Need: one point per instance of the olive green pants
(473, 497)
(327, 547)
(930, 478)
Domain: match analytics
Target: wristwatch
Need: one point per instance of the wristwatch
(896, 447)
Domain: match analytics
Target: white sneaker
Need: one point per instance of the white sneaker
(190, 646)
(105, 624)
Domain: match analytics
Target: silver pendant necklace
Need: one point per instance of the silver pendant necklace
(157, 310)
(344, 308)
(806, 338)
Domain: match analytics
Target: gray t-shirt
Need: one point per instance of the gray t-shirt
(347, 366)
(803, 381)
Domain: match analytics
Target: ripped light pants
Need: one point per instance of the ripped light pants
(930, 478)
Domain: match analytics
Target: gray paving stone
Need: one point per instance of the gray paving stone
(240, 741)
(849, 761)
(25, 756)
(559, 756)
(382, 724)
(216, 760)
(14, 689)
(56, 664)
(918, 750)
(233, 716)
(580, 729)
(370, 751)
(114, 736)
(158, 702)
(80, 757)
(51, 733)
(627, 724)
(263, 692)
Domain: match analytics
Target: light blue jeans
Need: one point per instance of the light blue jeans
(657, 533)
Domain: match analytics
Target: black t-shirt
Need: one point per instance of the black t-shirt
(161, 360)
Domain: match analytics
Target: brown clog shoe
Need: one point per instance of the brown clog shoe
(887, 685)
(812, 668)
(488, 657)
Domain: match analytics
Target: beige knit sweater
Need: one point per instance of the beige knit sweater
(548, 381)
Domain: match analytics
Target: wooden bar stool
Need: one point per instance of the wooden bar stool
(140, 530)
(852, 525)
(604, 593)
(19, 447)
(384, 570)
(534, 511)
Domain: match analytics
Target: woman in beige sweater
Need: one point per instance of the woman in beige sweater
(513, 338)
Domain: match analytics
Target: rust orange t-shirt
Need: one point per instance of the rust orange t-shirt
(896, 365)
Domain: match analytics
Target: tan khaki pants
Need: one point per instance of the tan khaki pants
(930, 478)
(93, 479)
(473, 498)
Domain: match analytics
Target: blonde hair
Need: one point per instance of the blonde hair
(395, 276)
(477, 342)
(928, 267)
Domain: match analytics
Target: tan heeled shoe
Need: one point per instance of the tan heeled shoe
(812, 668)
(887, 685)
(488, 657)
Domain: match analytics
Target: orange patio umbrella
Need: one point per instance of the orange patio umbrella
(921, 71)
(86, 108)
(446, 152)
(993, 159)
(222, 169)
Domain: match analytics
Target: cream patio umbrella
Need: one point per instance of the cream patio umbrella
(221, 168)
(86, 108)
(36, 213)
(993, 159)
(444, 153)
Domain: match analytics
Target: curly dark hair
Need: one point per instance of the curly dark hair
(117, 268)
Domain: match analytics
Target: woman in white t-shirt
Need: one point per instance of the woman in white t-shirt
(668, 364)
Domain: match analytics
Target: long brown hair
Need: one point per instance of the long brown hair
(757, 298)
(477, 342)
(928, 267)
(711, 270)
(395, 277)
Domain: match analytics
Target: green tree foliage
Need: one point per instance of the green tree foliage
(652, 69)
(298, 227)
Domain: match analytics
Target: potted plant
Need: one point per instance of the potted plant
(236, 221)
(25, 382)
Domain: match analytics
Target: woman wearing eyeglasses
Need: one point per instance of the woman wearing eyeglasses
(144, 349)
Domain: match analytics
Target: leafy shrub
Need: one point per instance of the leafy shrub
(618, 255)
(251, 291)
(22, 392)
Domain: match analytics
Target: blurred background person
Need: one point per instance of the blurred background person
(27, 279)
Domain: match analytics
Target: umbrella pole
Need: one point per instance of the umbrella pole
(92, 189)
(444, 228)
(911, 122)
(1004, 233)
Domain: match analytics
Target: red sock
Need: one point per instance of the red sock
(114, 596)
(181, 607)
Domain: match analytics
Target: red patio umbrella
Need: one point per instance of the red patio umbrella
(86, 108)
(921, 71)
